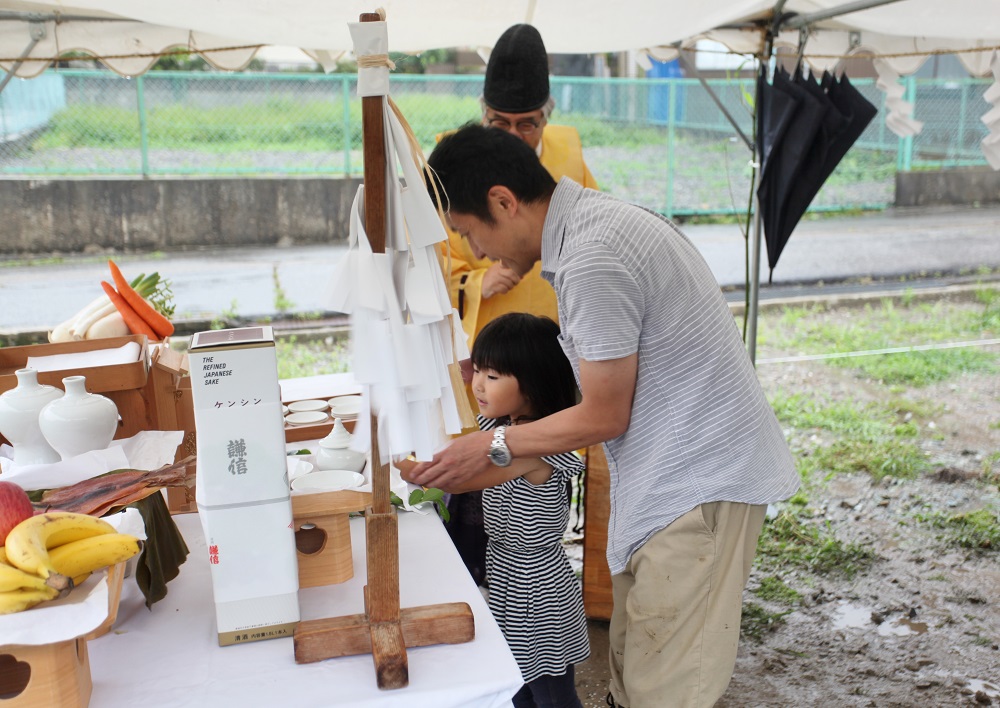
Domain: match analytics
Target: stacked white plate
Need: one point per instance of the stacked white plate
(345, 407)
(307, 412)
(327, 481)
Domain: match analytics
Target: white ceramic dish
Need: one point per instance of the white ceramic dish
(284, 410)
(341, 406)
(305, 406)
(327, 481)
(305, 418)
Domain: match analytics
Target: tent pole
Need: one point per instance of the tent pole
(693, 70)
(799, 21)
(37, 35)
(753, 286)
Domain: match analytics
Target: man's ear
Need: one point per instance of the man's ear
(503, 200)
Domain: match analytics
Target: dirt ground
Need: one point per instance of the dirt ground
(921, 626)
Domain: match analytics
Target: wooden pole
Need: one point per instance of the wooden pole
(381, 524)
(385, 630)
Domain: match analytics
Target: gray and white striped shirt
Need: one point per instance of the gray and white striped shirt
(627, 281)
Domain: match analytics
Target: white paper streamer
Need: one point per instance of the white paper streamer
(991, 119)
(900, 117)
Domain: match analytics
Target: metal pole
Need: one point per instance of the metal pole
(754, 284)
(694, 71)
(671, 159)
(37, 35)
(803, 20)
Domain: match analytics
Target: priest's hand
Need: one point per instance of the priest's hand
(498, 280)
(466, 457)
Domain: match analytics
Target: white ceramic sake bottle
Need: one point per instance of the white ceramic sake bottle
(79, 421)
(335, 453)
(19, 409)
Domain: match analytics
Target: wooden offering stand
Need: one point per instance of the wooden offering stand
(384, 630)
(323, 535)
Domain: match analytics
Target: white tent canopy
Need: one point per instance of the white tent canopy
(129, 33)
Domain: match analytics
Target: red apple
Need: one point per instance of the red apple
(15, 507)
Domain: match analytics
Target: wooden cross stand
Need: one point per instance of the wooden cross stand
(384, 630)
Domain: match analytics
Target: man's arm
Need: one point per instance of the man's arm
(603, 413)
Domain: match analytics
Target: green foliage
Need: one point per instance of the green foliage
(879, 458)
(430, 495)
(226, 316)
(890, 325)
(281, 302)
(975, 530)
(774, 589)
(756, 622)
(298, 359)
(787, 541)
(869, 439)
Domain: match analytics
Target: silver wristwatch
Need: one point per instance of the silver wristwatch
(499, 453)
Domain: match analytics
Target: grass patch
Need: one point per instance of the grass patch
(873, 439)
(297, 359)
(891, 324)
(756, 621)
(774, 589)
(787, 541)
(974, 530)
(878, 457)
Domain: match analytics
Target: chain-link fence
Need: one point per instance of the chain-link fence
(662, 143)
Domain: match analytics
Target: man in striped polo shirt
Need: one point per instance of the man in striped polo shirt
(694, 450)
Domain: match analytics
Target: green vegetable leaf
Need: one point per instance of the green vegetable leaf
(395, 499)
(416, 496)
(433, 494)
(443, 510)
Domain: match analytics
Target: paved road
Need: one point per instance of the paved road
(918, 243)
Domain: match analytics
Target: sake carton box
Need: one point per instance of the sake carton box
(242, 494)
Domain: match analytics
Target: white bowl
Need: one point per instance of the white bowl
(304, 406)
(327, 481)
(342, 406)
(305, 418)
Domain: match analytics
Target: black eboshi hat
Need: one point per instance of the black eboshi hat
(517, 75)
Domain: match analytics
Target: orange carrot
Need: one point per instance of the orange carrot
(157, 322)
(135, 323)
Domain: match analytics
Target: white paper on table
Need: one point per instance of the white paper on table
(66, 472)
(146, 450)
(80, 612)
(126, 354)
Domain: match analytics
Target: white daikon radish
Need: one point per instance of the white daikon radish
(111, 325)
(83, 324)
(61, 333)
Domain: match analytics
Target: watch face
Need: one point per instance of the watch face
(500, 456)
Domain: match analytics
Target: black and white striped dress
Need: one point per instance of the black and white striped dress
(534, 594)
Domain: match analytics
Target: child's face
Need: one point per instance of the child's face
(498, 395)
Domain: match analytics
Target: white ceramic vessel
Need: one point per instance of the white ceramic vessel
(335, 453)
(19, 409)
(79, 421)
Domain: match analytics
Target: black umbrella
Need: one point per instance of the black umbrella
(804, 129)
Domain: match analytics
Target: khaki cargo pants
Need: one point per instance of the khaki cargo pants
(676, 619)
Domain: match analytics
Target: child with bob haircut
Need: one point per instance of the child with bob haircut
(520, 373)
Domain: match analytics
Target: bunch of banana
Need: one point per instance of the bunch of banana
(47, 555)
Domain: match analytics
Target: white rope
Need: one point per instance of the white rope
(876, 352)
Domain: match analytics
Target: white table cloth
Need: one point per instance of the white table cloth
(169, 656)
